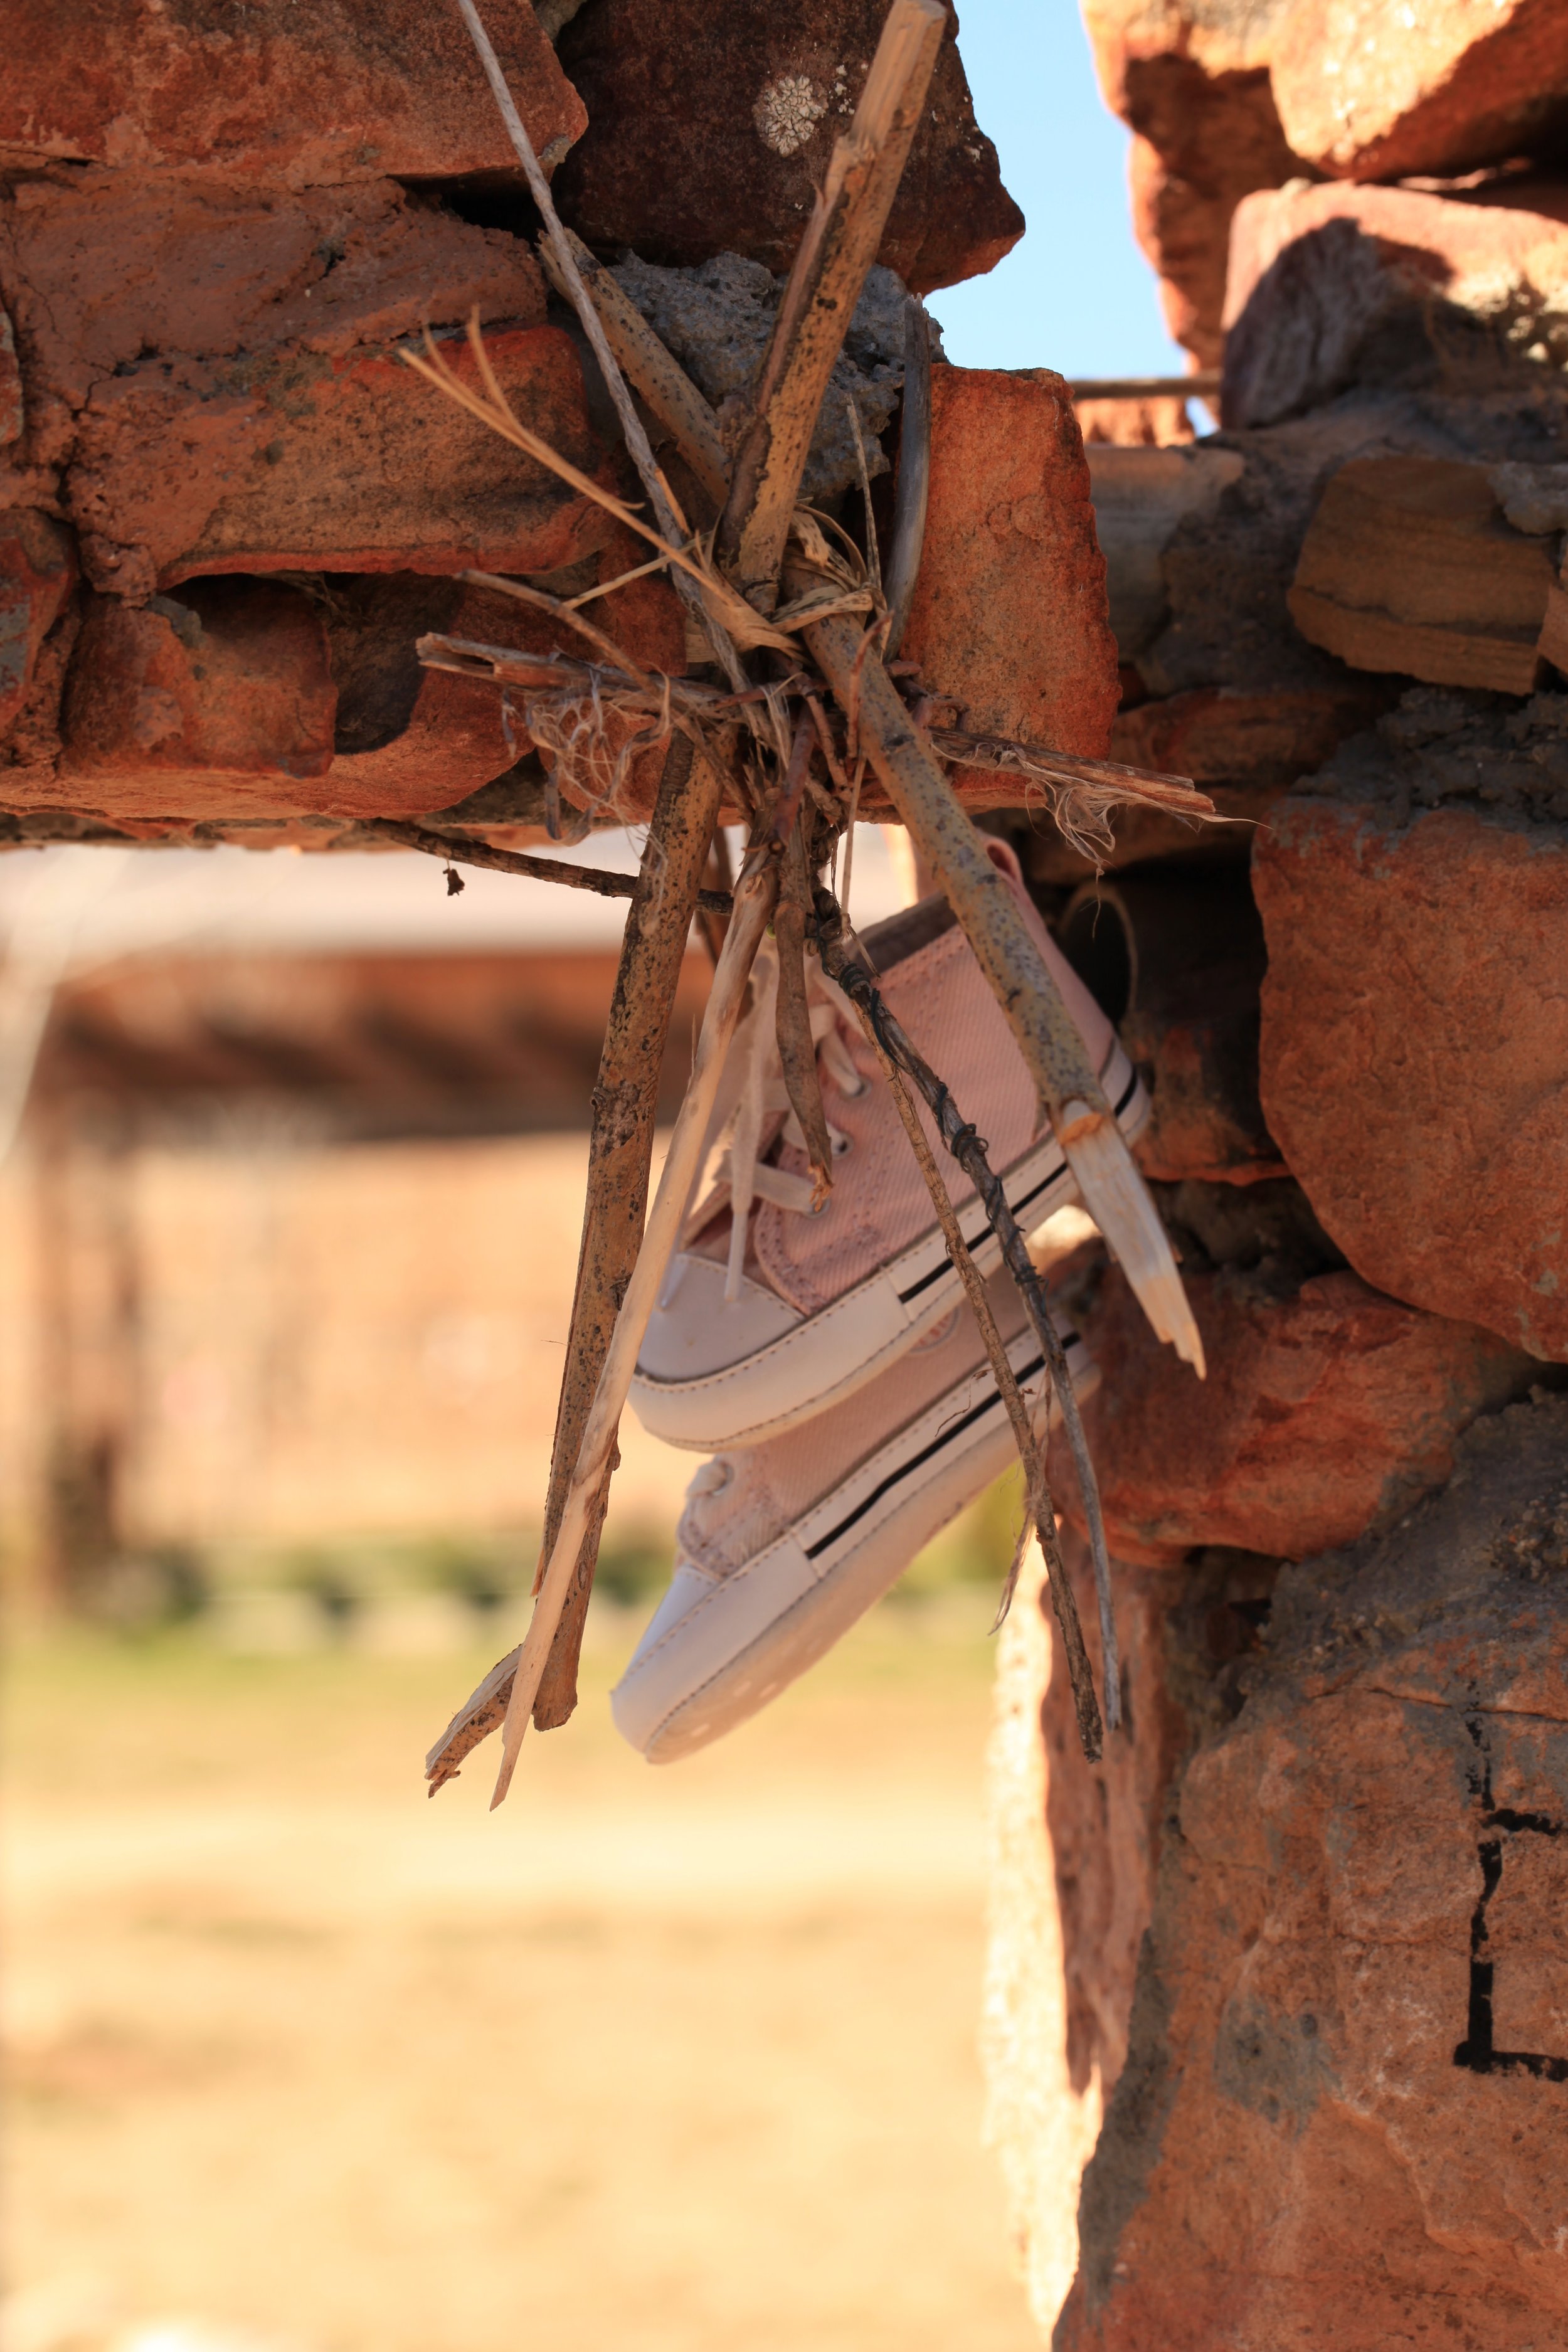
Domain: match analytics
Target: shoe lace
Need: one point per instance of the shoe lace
(743, 1172)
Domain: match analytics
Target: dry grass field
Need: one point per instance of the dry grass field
(662, 2062)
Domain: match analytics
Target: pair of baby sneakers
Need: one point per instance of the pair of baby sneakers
(822, 1352)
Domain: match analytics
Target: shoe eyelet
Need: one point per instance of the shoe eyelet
(842, 1144)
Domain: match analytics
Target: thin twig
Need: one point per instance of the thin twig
(966, 1145)
(911, 491)
(824, 285)
(460, 851)
(1007, 953)
(1039, 1506)
(754, 896)
(658, 376)
(566, 261)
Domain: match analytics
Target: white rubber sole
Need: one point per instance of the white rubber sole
(715, 1652)
(824, 1358)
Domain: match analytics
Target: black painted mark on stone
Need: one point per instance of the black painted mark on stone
(1477, 2052)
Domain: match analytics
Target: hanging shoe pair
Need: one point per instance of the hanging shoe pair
(824, 1354)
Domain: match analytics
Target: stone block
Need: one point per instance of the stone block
(1320, 2135)
(1410, 564)
(348, 89)
(1414, 1040)
(298, 461)
(1367, 90)
(216, 702)
(1192, 82)
(1331, 285)
(1328, 1409)
(750, 98)
(105, 270)
(1009, 617)
(37, 573)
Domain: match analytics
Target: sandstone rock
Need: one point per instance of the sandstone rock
(1369, 91)
(296, 461)
(1415, 1043)
(1330, 285)
(217, 701)
(1328, 1408)
(1191, 79)
(1009, 615)
(311, 97)
(37, 573)
(1340, 2117)
(1410, 564)
(1140, 498)
(103, 271)
(750, 99)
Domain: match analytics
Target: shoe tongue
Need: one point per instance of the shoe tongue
(900, 936)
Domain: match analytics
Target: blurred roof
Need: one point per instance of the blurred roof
(102, 904)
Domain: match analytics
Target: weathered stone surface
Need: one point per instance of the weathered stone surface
(1415, 1043)
(1339, 2119)
(1334, 285)
(1191, 78)
(37, 573)
(718, 319)
(1410, 564)
(1328, 1408)
(750, 100)
(220, 700)
(348, 89)
(106, 270)
(1368, 91)
(1161, 422)
(299, 462)
(1009, 614)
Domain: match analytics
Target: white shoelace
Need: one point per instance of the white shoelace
(742, 1171)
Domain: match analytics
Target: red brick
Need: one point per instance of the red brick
(1414, 1051)
(37, 573)
(298, 461)
(1009, 617)
(345, 89)
(106, 270)
(1369, 92)
(721, 88)
(1325, 1411)
(216, 702)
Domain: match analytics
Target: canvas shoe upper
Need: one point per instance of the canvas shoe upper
(773, 1311)
(783, 1545)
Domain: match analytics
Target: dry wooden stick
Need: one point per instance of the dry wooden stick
(824, 282)
(457, 850)
(1053, 1051)
(667, 515)
(620, 1154)
(1039, 1505)
(656, 374)
(791, 1013)
(911, 491)
(962, 1140)
(754, 897)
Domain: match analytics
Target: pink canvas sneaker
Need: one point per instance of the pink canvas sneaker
(783, 1545)
(774, 1311)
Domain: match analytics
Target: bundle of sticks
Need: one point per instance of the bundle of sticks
(800, 700)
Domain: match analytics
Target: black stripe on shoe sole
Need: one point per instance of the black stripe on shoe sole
(955, 1429)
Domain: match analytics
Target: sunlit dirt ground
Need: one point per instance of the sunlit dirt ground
(658, 2061)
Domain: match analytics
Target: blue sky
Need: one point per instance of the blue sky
(1076, 294)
